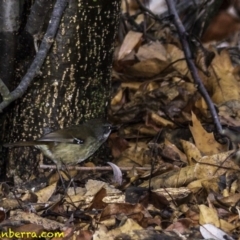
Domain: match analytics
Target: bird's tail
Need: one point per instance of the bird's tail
(24, 144)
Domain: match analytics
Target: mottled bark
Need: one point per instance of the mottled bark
(39, 12)
(74, 84)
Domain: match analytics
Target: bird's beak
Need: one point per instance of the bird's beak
(114, 128)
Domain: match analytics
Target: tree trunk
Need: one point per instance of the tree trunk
(74, 83)
(9, 25)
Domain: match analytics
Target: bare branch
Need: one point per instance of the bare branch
(191, 65)
(96, 168)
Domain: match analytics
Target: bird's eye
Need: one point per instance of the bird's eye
(77, 141)
(106, 129)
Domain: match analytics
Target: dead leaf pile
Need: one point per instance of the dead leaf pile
(166, 124)
(191, 189)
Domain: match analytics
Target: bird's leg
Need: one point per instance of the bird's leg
(65, 170)
(59, 167)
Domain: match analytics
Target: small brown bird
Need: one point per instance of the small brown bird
(73, 144)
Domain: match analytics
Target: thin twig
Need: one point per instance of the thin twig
(191, 65)
(43, 166)
(47, 42)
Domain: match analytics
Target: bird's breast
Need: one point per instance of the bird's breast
(70, 153)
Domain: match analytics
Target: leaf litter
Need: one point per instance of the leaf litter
(193, 188)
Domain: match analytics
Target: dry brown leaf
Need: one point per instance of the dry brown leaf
(224, 83)
(93, 187)
(85, 198)
(2, 215)
(230, 200)
(208, 215)
(140, 18)
(208, 166)
(210, 184)
(215, 165)
(45, 193)
(137, 129)
(35, 219)
(195, 186)
(172, 179)
(181, 225)
(131, 85)
(229, 113)
(149, 86)
(191, 151)
(158, 200)
(205, 141)
(117, 98)
(97, 202)
(136, 153)
(193, 215)
(149, 131)
(147, 68)
(134, 211)
(152, 50)
(8, 203)
(130, 41)
(78, 198)
(203, 59)
(160, 121)
(202, 106)
(55, 177)
(173, 194)
(102, 233)
(129, 6)
(234, 187)
(227, 226)
(80, 235)
(29, 197)
(117, 144)
(128, 227)
(175, 151)
(177, 56)
(29, 228)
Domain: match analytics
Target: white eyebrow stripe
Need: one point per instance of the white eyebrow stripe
(79, 141)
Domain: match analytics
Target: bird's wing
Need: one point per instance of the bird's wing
(68, 135)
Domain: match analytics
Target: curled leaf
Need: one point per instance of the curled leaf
(116, 173)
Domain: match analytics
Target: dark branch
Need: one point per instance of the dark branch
(104, 168)
(190, 62)
(47, 41)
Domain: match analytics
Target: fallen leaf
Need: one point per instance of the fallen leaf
(208, 215)
(205, 141)
(130, 41)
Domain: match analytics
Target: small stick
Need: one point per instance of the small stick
(183, 37)
(43, 166)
